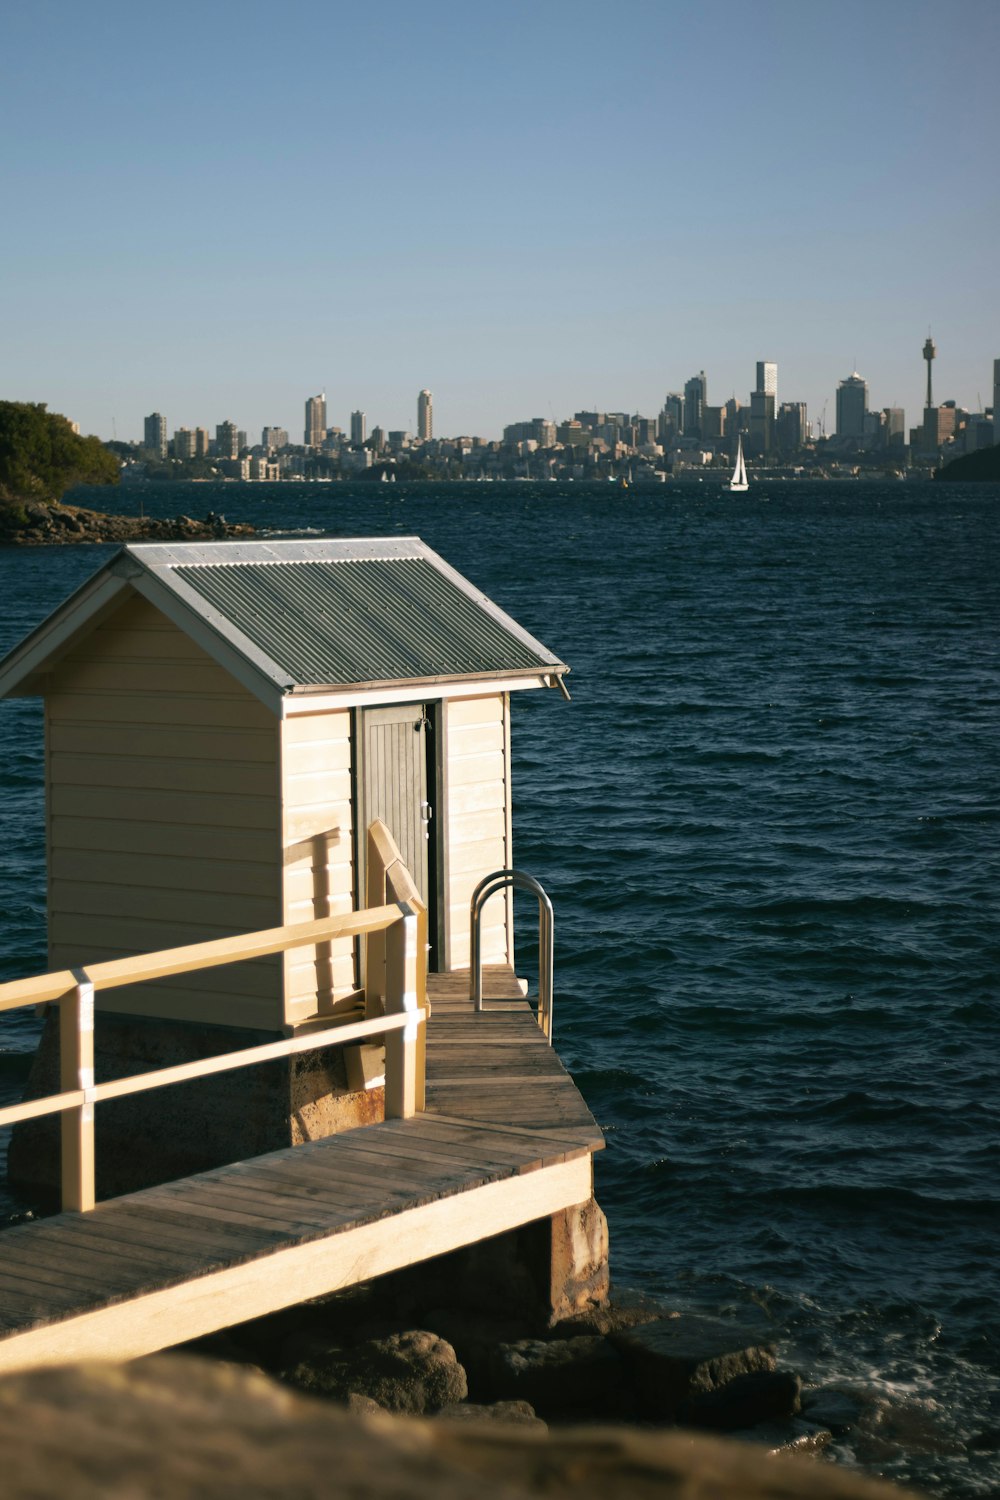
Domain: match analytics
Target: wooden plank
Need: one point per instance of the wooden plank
(166, 962)
(114, 1251)
(332, 725)
(277, 1214)
(139, 836)
(145, 773)
(265, 1284)
(485, 710)
(184, 741)
(190, 679)
(200, 809)
(154, 872)
(72, 703)
(570, 1135)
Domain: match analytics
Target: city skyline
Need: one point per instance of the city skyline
(514, 218)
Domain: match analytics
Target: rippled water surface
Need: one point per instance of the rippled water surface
(770, 824)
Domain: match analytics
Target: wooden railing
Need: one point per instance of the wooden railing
(388, 880)
(395, 928)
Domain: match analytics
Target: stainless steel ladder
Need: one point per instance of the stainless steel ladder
(487, 887)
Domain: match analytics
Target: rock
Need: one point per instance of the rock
(184, 1429)
(832, 1407)
(675, 1359)
(412, 1372)
(581, 1377)
(49, 522)
(625, 1310)
(518, 1412)
(474, 1338)
(363, 1406)
(779, 1438)
(764, 1396)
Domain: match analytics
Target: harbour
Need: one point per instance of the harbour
(767, 823)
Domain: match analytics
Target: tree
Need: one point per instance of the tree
(41, 457)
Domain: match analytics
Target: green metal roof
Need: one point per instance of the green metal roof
(362, 620)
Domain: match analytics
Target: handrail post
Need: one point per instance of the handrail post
(76, 1071)
(402, 1048)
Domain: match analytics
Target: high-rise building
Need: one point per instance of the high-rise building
(852, 404)
(274, 439)
(184, 443)
(791, 427)
(359, 426)
(315, 421)
(154, 434)
(894, 427)
(996, 400)
(227, 440)
(425, 416)
(695, 401)
(767, 379)
(761, 420)
(201, 442)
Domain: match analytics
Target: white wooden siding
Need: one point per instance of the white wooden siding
(317, 839)
(478, 822)
(162, 813)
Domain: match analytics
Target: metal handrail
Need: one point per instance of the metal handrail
(488, 887)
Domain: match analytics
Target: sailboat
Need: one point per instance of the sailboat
(738, 483)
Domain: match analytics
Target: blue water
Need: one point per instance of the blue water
(770, 823)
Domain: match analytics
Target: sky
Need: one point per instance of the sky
(215, 210)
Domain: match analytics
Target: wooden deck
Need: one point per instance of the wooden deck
(505, 1138)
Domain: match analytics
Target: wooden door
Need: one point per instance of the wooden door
(394, 784)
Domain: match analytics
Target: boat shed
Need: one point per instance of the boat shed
(223, 722)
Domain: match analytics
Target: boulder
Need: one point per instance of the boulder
(518, 1412)
(674, 1360)
(580, 1377)
(745, 1401)
(414, 1372)
(475, 1338)
(185, 1429)
(834, 1407)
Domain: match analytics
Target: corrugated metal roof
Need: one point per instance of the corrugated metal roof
(366, 620)
(301, 616)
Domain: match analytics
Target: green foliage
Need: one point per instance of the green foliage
(41, 456)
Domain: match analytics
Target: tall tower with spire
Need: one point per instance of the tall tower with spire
(929, 353)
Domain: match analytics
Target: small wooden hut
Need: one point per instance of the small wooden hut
(223, 721)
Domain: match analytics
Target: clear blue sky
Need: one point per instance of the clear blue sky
(214, 210)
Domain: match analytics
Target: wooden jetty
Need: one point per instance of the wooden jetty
(485, 1131)
(307, 744)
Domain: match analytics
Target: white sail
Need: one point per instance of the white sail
(739, 479)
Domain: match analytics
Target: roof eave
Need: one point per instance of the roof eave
(22, 671)
(538, 671)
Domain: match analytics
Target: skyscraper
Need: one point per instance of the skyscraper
(227, 440)
(154, 434)
(315, 421)
(767, 379)
(852, 404)
(695, 401)
(425, 416)
(359, 426)
(996, 400)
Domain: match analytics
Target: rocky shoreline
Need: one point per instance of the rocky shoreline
(382, 1349)
(39, 523)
